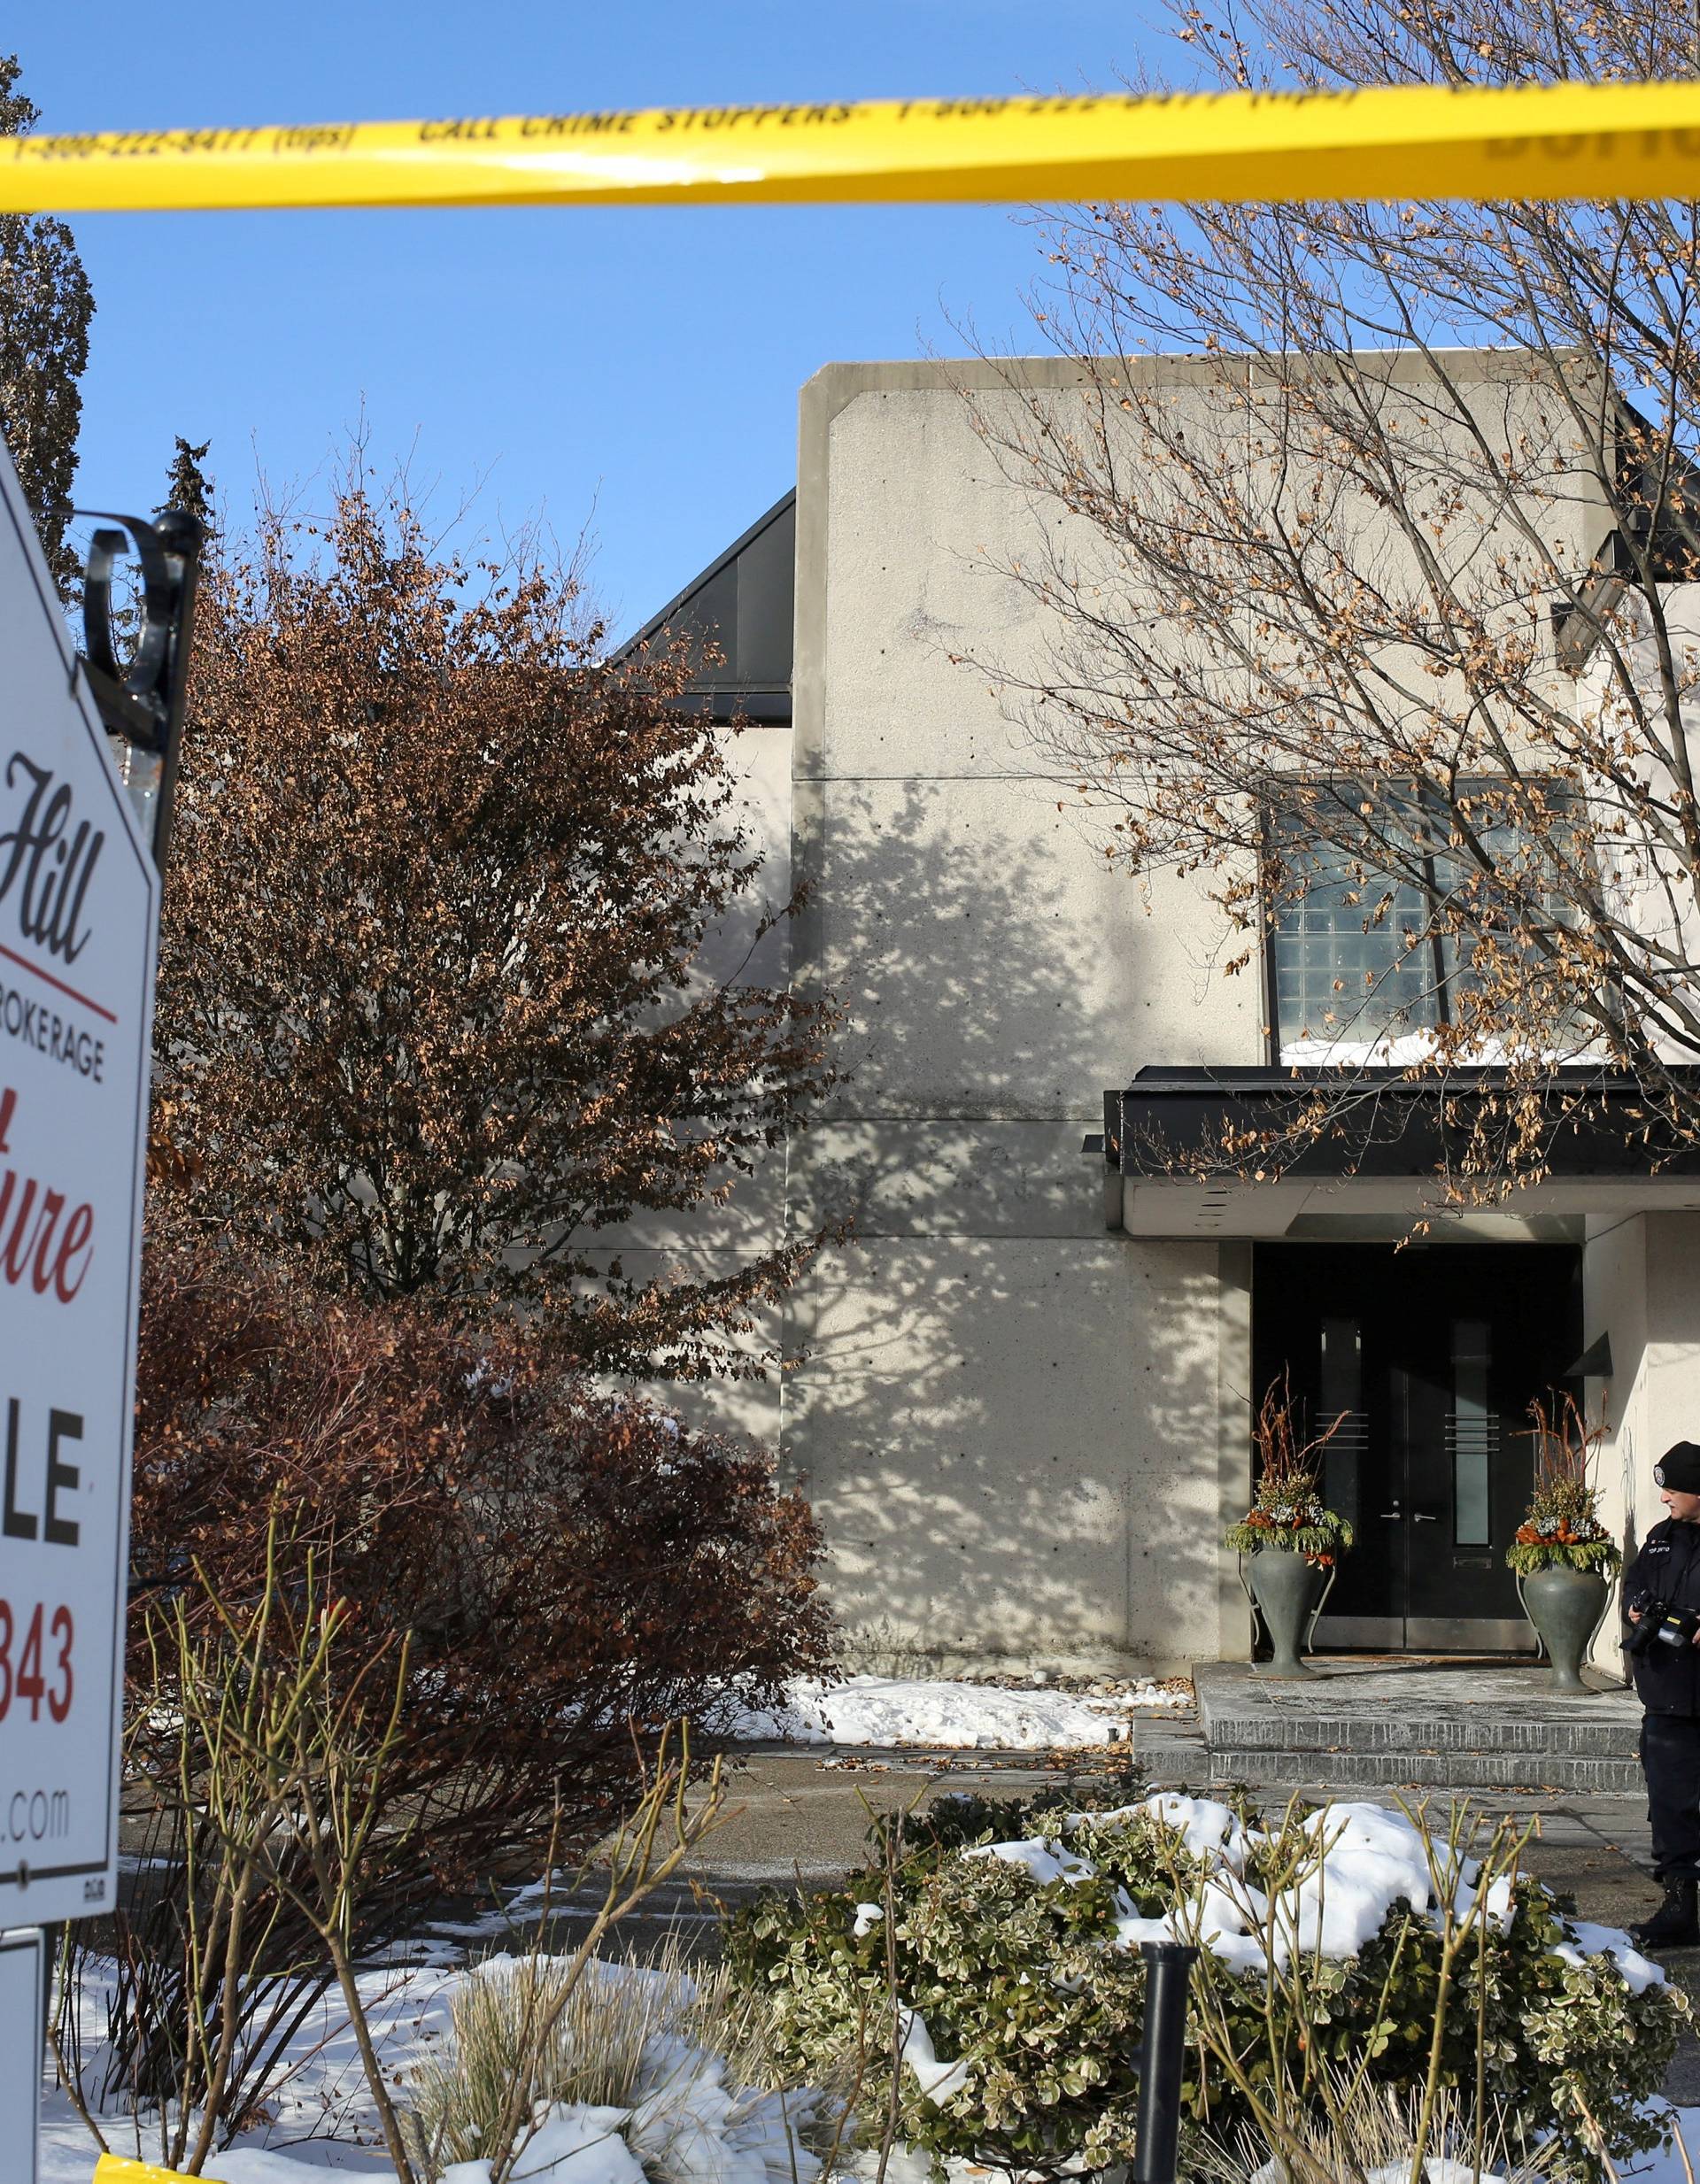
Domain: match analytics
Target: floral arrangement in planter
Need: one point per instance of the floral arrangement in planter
(1287, 1511)
(1563, 1529)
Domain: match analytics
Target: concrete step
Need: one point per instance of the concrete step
(1431, 1725)
(1426, 1770)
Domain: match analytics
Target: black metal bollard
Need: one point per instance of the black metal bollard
(1168, 1970)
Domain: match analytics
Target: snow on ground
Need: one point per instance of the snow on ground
(945, 1716)
(322, 2117)
(686, 2123)
(67, 2163)
(1668, 2165)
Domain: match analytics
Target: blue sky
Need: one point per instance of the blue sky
(637, 369)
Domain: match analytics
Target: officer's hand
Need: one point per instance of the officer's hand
(1634, 1616)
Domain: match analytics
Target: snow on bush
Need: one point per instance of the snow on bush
(1019, 1988)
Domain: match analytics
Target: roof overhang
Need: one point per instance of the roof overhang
(1375, 1172)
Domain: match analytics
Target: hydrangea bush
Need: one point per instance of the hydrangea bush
(982, 1982)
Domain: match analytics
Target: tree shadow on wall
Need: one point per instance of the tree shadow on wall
(1007, 1417)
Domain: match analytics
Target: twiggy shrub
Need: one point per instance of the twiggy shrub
(993, 1994)
(281, 1818)
(264, 1767)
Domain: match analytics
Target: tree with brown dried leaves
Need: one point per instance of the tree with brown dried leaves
(45, 307)
(1355, 618)
(433, 1010)
(569, 1569)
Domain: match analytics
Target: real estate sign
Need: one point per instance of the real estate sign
(78, 912)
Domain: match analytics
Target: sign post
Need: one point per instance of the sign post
(78, 912)
(22, 2005)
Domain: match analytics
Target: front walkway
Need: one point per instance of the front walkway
(798, 1818)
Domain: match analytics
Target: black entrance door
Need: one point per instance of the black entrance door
(1434, 1355)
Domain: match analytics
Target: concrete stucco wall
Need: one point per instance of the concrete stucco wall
(1641, 1286)
(709, 1240)
(1010, 1423)
(1024, 1434)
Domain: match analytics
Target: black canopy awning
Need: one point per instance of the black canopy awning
(1382, 1123)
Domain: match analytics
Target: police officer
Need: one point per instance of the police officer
(1667, 1681)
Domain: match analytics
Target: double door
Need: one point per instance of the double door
(1430, 1358)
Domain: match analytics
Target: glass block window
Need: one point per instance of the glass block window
(1352, 957)
(1361, 951)
(1456, 878)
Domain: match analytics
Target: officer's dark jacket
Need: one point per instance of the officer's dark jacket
(1667, 1678)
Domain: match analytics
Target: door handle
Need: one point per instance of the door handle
(1418, 1517)
(1393, 1515)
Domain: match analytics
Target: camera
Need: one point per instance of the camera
(1661, 1625)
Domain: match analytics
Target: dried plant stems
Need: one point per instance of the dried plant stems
(637, 1863)
(1281, 1456)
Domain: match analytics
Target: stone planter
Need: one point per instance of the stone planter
(1566, 1606)
(1287, 1592)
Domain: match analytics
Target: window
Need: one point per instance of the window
(1472, 1432)
(1366, 944)
(1342, 1399)
(1353, 952)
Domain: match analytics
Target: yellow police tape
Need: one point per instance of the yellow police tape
(113, 2169)
(1537, 141)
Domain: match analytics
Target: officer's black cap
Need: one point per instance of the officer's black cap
(1679, 1468)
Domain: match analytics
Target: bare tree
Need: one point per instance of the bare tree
(45, 307)
(1377, 615)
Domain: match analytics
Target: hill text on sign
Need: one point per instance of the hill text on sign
(78, 910)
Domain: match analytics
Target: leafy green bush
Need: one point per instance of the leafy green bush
(983, 1981)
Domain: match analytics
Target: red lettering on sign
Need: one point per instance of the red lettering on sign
(24, 1678)
(53, 1253)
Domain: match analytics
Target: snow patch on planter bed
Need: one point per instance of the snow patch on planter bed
(945, 1715)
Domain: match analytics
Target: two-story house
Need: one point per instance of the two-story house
(1023, 1405)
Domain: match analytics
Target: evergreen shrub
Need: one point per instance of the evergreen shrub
(991, 1954)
